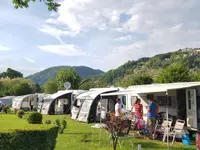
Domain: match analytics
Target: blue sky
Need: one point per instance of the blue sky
(102, 34)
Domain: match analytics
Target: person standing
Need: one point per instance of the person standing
(138, 113)
(4, 108)
(151, 121)
(118, 109)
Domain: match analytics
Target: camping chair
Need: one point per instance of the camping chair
(174, 131)
(160, 129)
(124, 134)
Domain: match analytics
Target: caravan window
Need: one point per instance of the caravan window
(124, 100)
(162, 100)
(133, 99)
(189, 99)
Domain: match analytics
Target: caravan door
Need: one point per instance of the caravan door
(191, 104)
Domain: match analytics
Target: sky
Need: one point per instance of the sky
(102, 34)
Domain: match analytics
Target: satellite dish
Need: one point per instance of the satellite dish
(67, 85)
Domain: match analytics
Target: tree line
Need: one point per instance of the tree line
(13, 83)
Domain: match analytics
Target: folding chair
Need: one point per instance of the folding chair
(174, 131)
(160, 129)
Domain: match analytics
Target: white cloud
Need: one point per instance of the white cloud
(30, 60)
(141, 28)
(56, 32)
(177, 27)
(124, 38)
(63, 50)
(4, 48)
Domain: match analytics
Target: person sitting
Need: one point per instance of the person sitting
(138, 113)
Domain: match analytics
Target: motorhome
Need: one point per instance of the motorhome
(181, 100)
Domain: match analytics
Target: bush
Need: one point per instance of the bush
(20, 113)
(64, 123)
(40, 139)
(35, 118)
(58, 123)
(63, 127)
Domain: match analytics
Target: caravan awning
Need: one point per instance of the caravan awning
(120, 93)
(63, 92)
(92, 94)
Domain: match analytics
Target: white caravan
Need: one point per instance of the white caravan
(86, 104)
(25, 102)
(58, 103)
(8, 100)
(182, 99)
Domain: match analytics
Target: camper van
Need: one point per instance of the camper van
(182, 100)
(58, 103)
(86, 106)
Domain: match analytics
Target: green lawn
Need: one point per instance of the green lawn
(78, 136)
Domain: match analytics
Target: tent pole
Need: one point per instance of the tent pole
(167, 120)
(100, 109)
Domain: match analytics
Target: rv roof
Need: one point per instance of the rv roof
(153, 88)
(94, 93)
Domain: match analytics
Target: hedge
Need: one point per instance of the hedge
(40, 139)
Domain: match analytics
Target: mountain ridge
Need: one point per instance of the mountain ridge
(49, 73)
(124, 74)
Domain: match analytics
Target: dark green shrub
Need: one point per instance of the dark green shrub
(20, 113)
(35, 118)
(58, 123)
(40, 139)
(64, 123)
(63, 127)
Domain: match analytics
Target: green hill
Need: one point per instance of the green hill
(43, 76)
(123, 75)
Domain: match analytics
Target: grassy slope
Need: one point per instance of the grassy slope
(77, 134)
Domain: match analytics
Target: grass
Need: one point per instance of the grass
(78, 136)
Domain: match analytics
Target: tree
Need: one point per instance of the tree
(17, 87)
(21, 88)
(142, 80)
(52, 6)
(68, 75)
(50, 86)
(38, 88)
(115, 128)
(10, 73)
(86, 85)
(174, 73)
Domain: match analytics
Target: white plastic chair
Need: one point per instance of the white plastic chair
(178, 129)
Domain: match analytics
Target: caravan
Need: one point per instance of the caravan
(25, 102)
(181, 100)
(58, 103)
(86, 106)
(8, 100)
